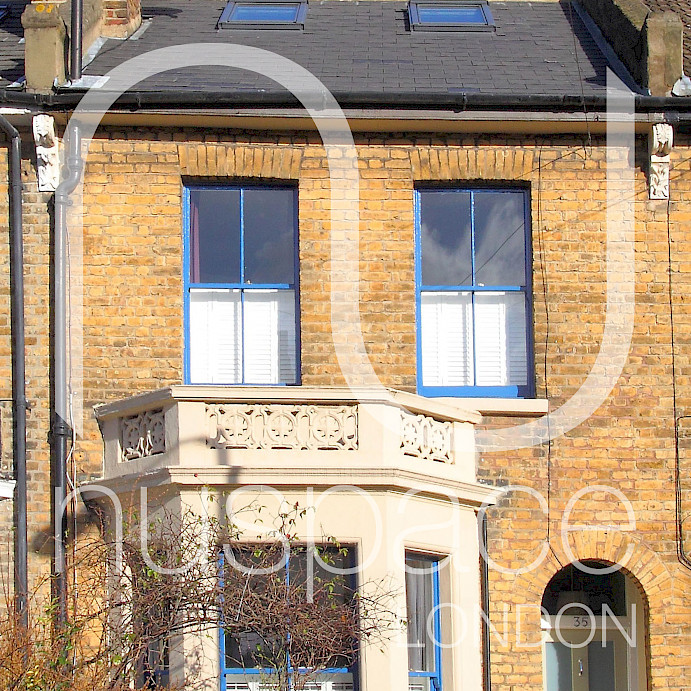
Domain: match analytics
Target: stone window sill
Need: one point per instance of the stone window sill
(515, 407)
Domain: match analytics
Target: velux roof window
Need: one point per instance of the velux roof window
(448, 15)
(264, 14)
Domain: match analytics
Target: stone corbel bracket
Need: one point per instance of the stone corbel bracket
(660, 147)
(47, 153)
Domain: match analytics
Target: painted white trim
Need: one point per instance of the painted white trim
(502, 406)
(7, 489)
(444, 489)
(461, 410)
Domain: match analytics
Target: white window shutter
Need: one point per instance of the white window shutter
(221, 328)
(490, 339)
(287, 367)
(260, 334)
(200, 320)
(457, 341)
(215, 345)
(517, 359)
(446, 339)
(327, 685)
(430, 309)
(500, 335)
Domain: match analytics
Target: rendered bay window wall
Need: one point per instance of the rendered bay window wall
(473, 292)
(241, 285)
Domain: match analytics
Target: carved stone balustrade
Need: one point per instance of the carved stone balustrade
(290, 436)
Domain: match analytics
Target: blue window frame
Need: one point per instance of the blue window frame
(264, 14)
(423, 605)
(241, 287)
(473, 292)
(240, 664)
(448, 15)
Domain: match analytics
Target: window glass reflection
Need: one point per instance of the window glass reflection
(215, 236)
(499, 238)
(445, 229)
(269, 220)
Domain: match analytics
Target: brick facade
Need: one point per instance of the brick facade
(133, 342)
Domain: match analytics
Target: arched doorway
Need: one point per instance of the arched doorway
(593, 630)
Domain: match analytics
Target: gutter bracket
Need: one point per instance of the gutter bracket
(660, 141)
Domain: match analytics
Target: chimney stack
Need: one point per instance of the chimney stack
(121, 18)
(47, 34)
(45, 37)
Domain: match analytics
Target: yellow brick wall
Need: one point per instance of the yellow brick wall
(133, 330)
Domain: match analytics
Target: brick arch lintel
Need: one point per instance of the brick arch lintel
(238, 160)
(644, 566)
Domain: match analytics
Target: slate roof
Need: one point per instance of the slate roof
(11, 50)
(538, 48)
(683, 9)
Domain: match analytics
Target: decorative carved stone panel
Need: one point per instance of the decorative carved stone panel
(425, 437)
(659, 178)
(142, 435)
(47, 153)
(660, 145)
(282, 426)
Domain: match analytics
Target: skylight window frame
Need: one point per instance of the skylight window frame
(226, 22)
(417, 24)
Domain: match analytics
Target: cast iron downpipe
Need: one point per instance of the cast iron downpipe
(61, 430)
(19, 405)
(76, 13)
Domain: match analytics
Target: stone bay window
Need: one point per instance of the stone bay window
(379, 470)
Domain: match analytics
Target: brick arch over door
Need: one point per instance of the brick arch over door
(648, 570)
(644, 567)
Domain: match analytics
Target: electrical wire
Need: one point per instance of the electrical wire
(683, 558)
(561, 157)
(494, 254)
(678, 505)
(587, 150)
(543, 274)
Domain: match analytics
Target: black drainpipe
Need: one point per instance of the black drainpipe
(61, 430)
(19, 405)
(76, 40)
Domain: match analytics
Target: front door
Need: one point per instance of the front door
(583, 660)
